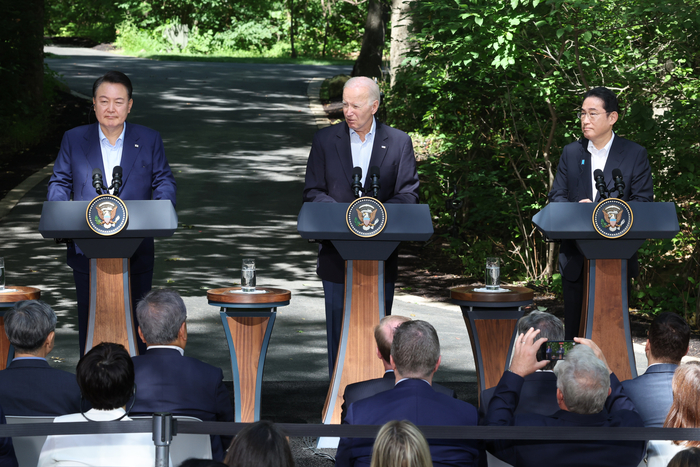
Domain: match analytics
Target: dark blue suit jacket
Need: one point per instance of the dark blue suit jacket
(573, 183)
(416, 401)
(329, 176)
(619, 413)
(7, 450)
(146, 175)
(32, 388)
(651, 393)
(537, 395)
(169, 382)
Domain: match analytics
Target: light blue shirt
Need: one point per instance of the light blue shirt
(111, 155)
(362, 150)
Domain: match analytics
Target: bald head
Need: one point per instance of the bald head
(384, 334)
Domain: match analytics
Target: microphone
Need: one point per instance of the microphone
(356, 181)
(600, 183)
(374, 180)
(116, 179)
(619, 182)
(97, 180)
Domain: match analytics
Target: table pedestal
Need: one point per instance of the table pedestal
(491, 319)
(8, 299)
(248, 319)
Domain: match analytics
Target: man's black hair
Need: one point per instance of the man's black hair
(604, 94)
(114, 77)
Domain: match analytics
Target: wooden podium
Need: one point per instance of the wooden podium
(110, 315)
(605, 314)
(364, 284)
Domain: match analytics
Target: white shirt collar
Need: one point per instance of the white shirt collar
(175, 347)
(120, 137)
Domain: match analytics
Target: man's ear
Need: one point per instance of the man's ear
(182, 333)
(391, 361)
(437, 365)
(141, 334)
(50, 341)
(379, 354)
(609, 391)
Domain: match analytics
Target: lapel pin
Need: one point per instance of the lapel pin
(136, 145)
(383, 147)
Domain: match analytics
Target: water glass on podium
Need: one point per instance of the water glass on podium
(248, 275)
(493, 273)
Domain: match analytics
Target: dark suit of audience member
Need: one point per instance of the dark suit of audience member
(29, 386)
(168, 381)
(582, 368)
(415, 353)
(666, 345)
(7, 450)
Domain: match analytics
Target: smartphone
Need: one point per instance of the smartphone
(554, 350)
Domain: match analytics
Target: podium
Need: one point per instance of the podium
(605, 314)
(364, 284)
(110, 315)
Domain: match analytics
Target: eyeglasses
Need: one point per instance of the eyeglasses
(592, 116)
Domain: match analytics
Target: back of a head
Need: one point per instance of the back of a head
(161, 314)
(606, 95)
(685, 409)
(584, 380)
(261, 444)
(415, 349)
(28, 325)
(384, 333)
(106, 376)
(549, 325)
(669, 335)
(686, 458)
(400, 444)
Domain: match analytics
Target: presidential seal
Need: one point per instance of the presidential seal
(107, 215)
(612, 218)
(366, 217)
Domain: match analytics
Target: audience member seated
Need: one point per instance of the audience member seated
(684, 413)
(261, 444)
(7, 451)
(106, 379)
(384, 336)
(400, 444)
(584, 382)
(415, 357)
(539, 391)
(667, 343)
(686, 458)
(29, 386)
(167, 380)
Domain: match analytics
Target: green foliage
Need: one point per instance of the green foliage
(94, 18)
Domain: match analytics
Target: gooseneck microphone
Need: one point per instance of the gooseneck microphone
(116, 179)
(374, 181)
(356, 181)
(619, 182)
(600, 184)
(97, 180)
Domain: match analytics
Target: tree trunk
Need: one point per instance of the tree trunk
(291, 27)
(369, 63)
(400, 24)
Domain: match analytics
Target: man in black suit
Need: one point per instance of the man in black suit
(166, 380)
(29, 386)
(384, 336)
(360, 141)
(600, 148)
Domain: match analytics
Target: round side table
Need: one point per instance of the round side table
(11, 295)
(491, 319)
(248, 319)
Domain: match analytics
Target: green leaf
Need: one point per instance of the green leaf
(479, 20)
(560, 32)
(587, 36)
(513, 3)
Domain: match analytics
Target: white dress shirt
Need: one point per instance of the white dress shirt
(111, 154)
(362, 150)
(598, 159)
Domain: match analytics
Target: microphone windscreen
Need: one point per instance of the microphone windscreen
(617, 173)
(117, 172)
(96, 171)
(374, 170)
(598, 173)
(357, 171)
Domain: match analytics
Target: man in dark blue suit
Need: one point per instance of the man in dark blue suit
(166, 380)
(600, 148)
(415, 354)
(667, 344)
(384, 336)
(29, 386)
(104, 145)
(588, 394)
(360, 141)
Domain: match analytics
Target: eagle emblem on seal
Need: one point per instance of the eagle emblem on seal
(108, 215)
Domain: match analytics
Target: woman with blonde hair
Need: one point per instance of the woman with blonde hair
(400, 444)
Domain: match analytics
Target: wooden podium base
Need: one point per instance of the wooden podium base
(110, 317)
(357, 359)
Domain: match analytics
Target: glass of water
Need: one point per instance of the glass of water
(493, 273)
(248, 275)
(2, 273)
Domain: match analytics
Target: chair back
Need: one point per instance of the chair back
(27, 448)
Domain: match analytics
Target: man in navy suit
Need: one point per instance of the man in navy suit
(415, 354)
(166, 380)
(666, 345)
(29, 386)
(384, 336)
(360, 141)
(588, 395)
(600, 148)
(104, 145)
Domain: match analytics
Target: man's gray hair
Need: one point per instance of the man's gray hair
(161, 314)
(549, 325)
(584, 380)
(28, 325)
(367, 83)
(415, 349)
